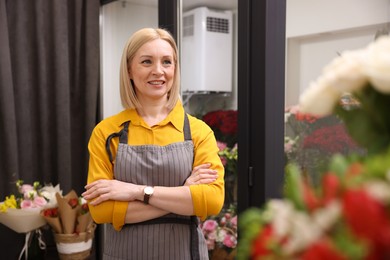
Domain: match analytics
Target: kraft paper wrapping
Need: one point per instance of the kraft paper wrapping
(83, 222)
(54, 223)
(67, 214)
(22, 220)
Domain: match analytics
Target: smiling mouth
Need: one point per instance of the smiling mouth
(157, 82)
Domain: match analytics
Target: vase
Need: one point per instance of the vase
(75, 246)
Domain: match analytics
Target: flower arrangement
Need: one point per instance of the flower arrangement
(348, 215)
(310, 141)
(20, 211)
(72, 225)
(70, 216)
(220, 233)
(29, 196)
(224, 125)
(229, 157)
(363, 73)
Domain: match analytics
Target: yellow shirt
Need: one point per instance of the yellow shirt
(207, 198)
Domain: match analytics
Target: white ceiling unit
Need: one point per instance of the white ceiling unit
(207, 51)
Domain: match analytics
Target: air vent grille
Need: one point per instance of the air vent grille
(215, 24)
(188, 25)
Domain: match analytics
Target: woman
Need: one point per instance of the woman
(153, 170)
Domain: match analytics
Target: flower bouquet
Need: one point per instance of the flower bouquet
(224, 125)
(348, 215)
(21, 211)
(229, 157)
(72, 226)
(220, 233)
(311, 141)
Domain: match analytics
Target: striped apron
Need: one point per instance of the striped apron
(169, 237)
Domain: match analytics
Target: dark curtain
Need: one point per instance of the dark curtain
(49, 96)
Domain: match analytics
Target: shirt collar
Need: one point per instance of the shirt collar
(175, 117)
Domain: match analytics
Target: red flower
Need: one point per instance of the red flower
(366, 216)
(331, 139)
(309, 197)
(331, 187)
(322, 250)
(73, 202)
(224, 125)
(261, 243)
(305, 117)
(52, 212)
(354, 169)
(84, 208)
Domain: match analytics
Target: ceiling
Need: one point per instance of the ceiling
(190, 4)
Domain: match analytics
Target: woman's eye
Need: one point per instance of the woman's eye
(167, 62)
(146, 62)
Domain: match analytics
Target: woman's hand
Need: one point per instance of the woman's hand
(103, 190)
(201, 174)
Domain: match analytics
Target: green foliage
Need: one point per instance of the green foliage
(293, 186)
(369, 123)
(250, 225)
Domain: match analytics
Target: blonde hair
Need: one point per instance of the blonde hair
(127, 92)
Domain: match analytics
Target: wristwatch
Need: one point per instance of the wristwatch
(148, 192)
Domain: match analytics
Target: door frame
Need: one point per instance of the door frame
(261, 88)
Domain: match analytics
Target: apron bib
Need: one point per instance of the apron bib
(171, 236)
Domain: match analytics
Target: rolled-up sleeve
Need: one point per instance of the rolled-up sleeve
(100, 167)
(207, 199)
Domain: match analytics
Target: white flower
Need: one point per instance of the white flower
(49, 193)
(281, 211)
(327, 216)
(319, 99)
(303, 232)
(346, 72)
(349, 73)
(378, 64)
(31, 194)
(379, 190)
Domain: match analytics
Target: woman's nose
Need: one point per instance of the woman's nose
(157, 69)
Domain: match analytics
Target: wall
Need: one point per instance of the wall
(317, 31)
(118, 21)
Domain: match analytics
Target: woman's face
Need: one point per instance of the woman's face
(152, 70)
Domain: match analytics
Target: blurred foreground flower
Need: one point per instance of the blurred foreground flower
(348, 215)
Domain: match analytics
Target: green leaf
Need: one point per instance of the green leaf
(250, 225)
(369, 123)
(338, 164)
(293, 186)
(349, 245)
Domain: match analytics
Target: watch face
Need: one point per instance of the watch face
(148, 190)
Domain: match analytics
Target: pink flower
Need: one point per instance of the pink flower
(25, 188)
(223, 221)
(210, 244)
(26, 204)
(223, 160)
(234, 221)
(40, 201)
(230, 241)
(293, 109)
(221, 145)
(210, 225)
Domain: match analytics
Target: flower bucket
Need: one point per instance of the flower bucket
(75, 246)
